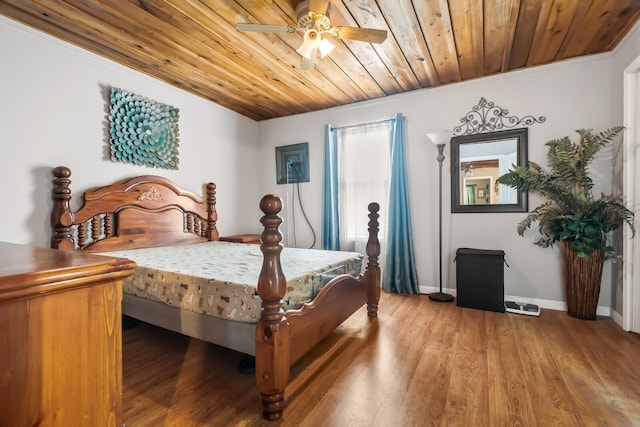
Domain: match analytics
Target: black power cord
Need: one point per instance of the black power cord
(304, 214)
(291, 164)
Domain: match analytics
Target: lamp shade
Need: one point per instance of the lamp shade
(440, 137)
(325, 47)
(309, 44)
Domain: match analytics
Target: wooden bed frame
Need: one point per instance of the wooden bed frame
(149, 211)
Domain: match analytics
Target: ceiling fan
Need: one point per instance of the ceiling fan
(315, 25)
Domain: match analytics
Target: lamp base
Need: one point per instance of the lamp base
(440, 297)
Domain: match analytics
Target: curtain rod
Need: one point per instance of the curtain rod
(374, 122)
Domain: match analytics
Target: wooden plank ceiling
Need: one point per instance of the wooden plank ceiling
(193, 44)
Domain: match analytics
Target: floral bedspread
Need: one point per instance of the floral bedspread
(220, 278)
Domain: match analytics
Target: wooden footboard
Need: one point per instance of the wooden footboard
(282, 338)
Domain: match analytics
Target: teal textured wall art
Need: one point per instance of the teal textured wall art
(143, 132)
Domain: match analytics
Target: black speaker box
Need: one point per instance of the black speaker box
(480, 279)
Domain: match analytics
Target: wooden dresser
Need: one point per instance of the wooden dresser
(60, 337)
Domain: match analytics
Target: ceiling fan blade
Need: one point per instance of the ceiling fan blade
(360, 34)
(262, 28)
(309, 63)
(318, 6)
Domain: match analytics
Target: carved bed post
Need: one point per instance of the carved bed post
(212, 215)
(272, 332)
(61, 214)
(373, 268)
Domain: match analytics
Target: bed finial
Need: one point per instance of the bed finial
(272, 335)
(61, 214)
(212, 215)
(373, 268)
(373, 244)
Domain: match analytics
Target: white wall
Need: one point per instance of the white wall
(54, 111)
(575, 94)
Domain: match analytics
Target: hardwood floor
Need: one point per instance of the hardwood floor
(420, 363)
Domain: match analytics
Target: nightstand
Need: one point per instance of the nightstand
(252, 239)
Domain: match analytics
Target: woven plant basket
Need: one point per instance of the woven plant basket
(582, 278)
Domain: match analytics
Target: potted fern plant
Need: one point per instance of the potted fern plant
(572, 215)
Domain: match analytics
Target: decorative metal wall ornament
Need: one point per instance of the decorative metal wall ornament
(143, 132)
(488, 117)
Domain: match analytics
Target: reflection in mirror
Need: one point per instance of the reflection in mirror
(476, 163)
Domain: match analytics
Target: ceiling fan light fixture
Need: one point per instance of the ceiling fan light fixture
(309, 44)
(315, 26)
(325, 47)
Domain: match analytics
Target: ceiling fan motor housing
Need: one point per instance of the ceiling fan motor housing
(308, 19)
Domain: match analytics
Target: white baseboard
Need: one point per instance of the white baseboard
(542, 303)
(617, 317)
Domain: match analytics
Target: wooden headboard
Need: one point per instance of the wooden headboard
(140, 212)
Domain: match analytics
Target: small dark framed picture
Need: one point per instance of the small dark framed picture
(481, 193)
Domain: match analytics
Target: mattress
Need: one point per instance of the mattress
(220, 278)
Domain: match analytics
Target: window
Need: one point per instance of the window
(363, 177)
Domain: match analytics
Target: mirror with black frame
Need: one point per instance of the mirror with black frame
(476, 163)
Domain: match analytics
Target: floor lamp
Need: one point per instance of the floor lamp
(440, 139)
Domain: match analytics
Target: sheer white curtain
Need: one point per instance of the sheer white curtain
(364, 152)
